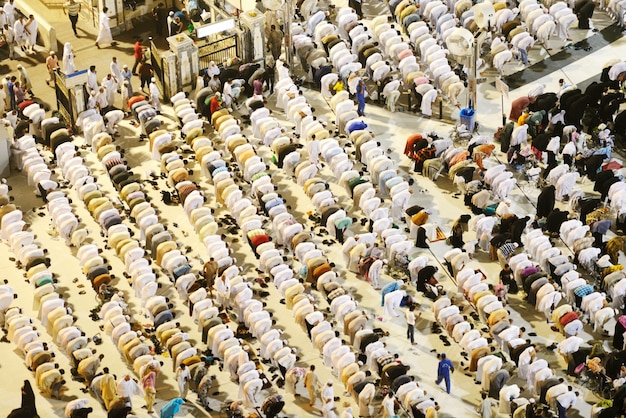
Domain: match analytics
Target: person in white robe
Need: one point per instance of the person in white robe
(127, 388)
(92, 80)
(374, 272)
(428, 99)
(30, 27)
(251, 390)
(392, 302)
(113, 117)
(222, 286)
(365, 399)
(19, 33)
(110, 84)
(68, 59)
(9, 10)
(104, 32)
(154, 95)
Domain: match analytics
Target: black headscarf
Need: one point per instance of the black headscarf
(28, 409)
(28, 400)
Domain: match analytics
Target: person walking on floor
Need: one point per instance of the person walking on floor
(410, 324)
(52, 63)
(159, 13)
(154, 95)
(137, 54)
(104, 34)
(72, 9)
(312, 384)
(275, 42)
(9, 36)
(183, 377)
(145, 74)
(19, 32)
(148, 382)
(30, 27)
(27, 85)
(270, 72)
(444, 369)
(360, 97)
(68, 59)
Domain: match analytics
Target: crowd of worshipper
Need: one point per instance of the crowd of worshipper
(287, 255)
(141, 345)
(558, 138)
(405, 51)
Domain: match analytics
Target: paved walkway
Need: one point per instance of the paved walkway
(85, 51)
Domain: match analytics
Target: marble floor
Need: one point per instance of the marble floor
(391, 130)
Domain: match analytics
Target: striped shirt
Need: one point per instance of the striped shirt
(508, 249)
(72, 8)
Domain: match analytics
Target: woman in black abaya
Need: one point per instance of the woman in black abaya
(545, 201)
(28, 408)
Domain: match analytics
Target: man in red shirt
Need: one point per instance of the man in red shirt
(138, 54)
(215, 103)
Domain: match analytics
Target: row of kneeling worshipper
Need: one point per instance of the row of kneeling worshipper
(551, 278)
(137, 266)
(294, 238)
(55, 318)
(381, 51)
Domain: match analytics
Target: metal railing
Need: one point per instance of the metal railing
(89, 12)
(218, 51)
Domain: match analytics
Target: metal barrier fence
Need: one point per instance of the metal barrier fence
(218, 51)
(89, 12)
(157, 67)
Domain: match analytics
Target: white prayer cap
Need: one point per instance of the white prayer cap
(385, 261)
(124, 66)
(171, 13)
(400, 282)
(52, 53)
(153, 80)
(329, 383)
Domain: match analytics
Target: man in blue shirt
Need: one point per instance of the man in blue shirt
(360, 97)
(10, 84)
(391, 287)
(443, 371)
